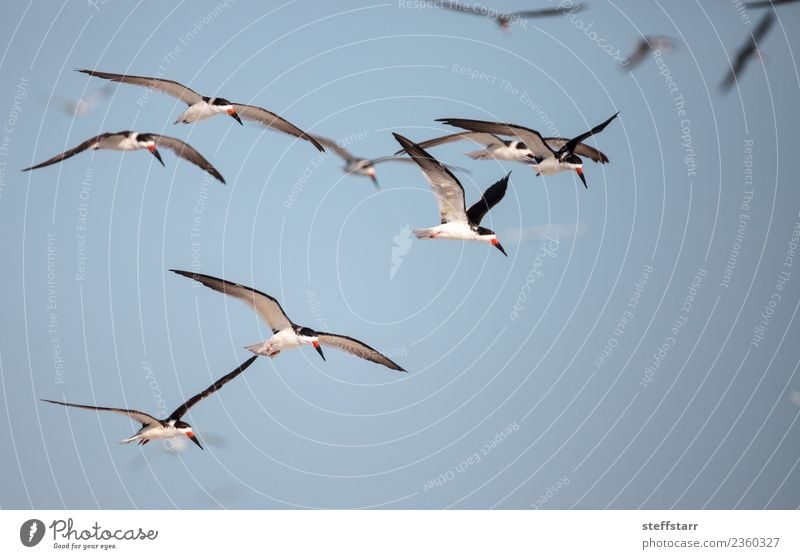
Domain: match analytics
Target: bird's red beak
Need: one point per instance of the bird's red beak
(232, 113)
(152, 148)
(579, 170)
(316, 345)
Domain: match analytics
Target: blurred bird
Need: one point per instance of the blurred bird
(506, 19)
(748, 51)
(645, 46)
(85, 105)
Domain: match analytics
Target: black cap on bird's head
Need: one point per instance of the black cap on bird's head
(309, 333)
(491, 237)
(231, 111)
(187, 430)
(575, 160)
(150, 144)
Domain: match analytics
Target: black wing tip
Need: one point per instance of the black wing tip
(315, 143)
(184, 273)
(216, 174)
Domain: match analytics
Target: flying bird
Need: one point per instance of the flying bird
(748, 50)
(85, 105)
(201, 107)
(549, 156)
(458, 222)
(287, 334)
(645, 46)
(507, 150)
(130, 141)
(506, 19)
(365, 167)
(358, 165)
(159, 429)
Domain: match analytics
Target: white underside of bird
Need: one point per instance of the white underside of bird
(201, 111)
(453, 230)
(157, 433)
(284, 339)
(551, 166)
(501, 152)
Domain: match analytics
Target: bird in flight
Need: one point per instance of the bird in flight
(130, 141)
(361, 166)
(748, 51)
(285, 333)
(201, 107)
(645, 46)
(549, 156)
(506, 19)
(458, 222)
(85, 105)
(159, 429)
(358, 165)
(507, 150)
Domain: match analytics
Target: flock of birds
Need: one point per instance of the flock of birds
(498, 141)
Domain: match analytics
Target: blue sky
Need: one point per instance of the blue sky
(634, 350)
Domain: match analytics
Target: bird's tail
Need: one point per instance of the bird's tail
(129, 439)
(258, 348)
(481, 154)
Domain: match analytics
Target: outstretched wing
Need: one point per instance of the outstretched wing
(571, 145)
(581, 149)
(532, 139)
(357, 348)
(336, 148)
(449, 192)
(181, 410)
(490, 199)
(267, 307)
(141, 417)
(478, 137)
(546, 12)
(169, 87)
(187, 152)
(746, 51)
(88, 144)
(271, 120)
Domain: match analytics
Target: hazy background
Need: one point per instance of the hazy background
(497, 349)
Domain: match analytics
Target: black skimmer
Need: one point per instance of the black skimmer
(156, 429)
(85, 105)
(365, 167)
(201, 108)
(549, 156)
(287, 334)
(458, 222)
(645, 46)
(748, 50)
(358, 165)
(506, 19)
(130, 141)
